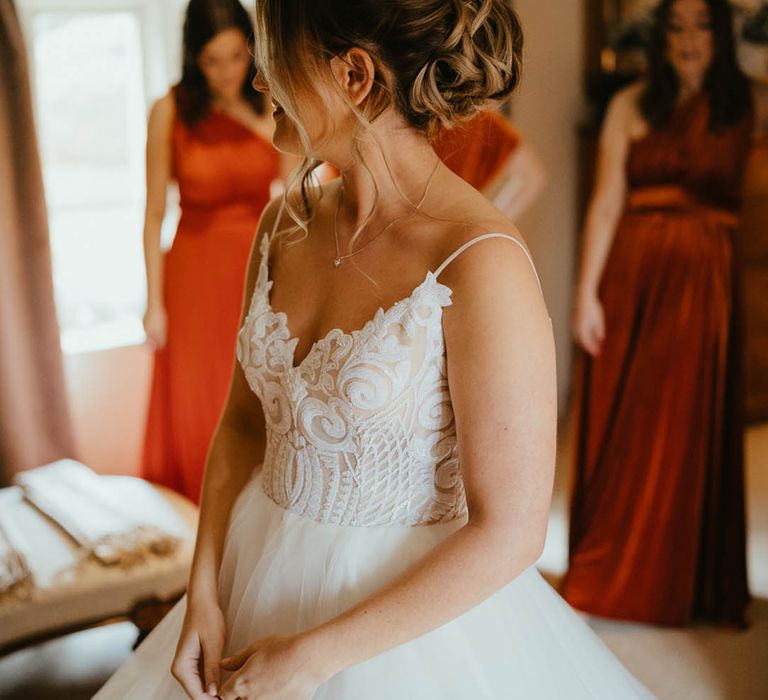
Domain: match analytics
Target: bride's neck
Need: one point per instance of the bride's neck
(391, 173)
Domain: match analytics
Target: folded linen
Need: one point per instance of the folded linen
(15, 576)
(117, 520)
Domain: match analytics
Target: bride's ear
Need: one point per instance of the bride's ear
(354, 71)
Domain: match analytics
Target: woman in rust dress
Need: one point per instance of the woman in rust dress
(489, 154)
(212, 136)
(657, 522)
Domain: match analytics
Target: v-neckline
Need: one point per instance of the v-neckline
(381, 312)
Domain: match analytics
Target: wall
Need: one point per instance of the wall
(547, 110)
(108, 391)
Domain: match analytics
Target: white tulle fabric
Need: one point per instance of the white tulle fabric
(360, 480)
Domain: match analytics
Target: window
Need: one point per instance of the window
(93, 66)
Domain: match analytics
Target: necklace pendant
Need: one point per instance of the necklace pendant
(337, 262)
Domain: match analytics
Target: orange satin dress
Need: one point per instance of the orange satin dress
(478, 150)
(657, 522)
(224, 171)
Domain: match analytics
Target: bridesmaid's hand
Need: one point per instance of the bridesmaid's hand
(196, 665)
(589, 323)
(156, 325)
(275, 668)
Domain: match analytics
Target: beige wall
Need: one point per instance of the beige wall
(547, 110)
(108, 393)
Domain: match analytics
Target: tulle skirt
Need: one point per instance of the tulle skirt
(282, 573)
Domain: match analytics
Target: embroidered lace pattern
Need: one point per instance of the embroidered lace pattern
(361, 432)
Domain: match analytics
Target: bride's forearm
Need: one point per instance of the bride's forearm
(461, 572)
(229, 466)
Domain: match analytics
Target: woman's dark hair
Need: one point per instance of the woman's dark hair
(204, 19)
(728, 88)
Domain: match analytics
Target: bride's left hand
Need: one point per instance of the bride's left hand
(275, 668)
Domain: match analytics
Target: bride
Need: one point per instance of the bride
(377, 492)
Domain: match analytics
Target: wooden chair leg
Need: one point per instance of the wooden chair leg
(146, 614)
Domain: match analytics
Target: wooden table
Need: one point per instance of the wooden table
(94, 595)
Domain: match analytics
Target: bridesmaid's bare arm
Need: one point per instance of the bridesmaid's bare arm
(605, 208)
(158, 176)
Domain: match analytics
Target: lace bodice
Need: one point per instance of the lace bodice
(361, 432)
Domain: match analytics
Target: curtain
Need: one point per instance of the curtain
(34, 420)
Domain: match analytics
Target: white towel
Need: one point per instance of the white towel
(15, 576)
(118, 520)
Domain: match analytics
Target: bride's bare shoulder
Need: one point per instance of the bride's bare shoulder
(466, 214)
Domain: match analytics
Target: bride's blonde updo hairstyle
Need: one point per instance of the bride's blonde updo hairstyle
(438, 62)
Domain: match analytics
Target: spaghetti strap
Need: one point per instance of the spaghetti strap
(262, 277)
(276, 222)
(483, 237)
(267, 238)
(266, 241)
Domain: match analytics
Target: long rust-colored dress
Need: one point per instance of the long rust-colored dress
(657, 522)
(224, 171)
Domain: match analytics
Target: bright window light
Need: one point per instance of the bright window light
(89, 87)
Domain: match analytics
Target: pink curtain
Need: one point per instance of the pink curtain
(34, 419)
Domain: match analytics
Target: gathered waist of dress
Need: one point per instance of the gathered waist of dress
(237, 215)
(676, 198)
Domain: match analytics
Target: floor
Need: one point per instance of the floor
(700, 663)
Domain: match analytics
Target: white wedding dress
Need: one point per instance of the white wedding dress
(360, 479)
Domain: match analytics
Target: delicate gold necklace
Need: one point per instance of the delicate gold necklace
(341, 258)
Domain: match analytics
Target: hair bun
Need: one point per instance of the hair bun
(477, 65)
(435, 61)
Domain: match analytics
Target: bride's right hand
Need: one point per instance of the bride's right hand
(589, 323)
(156, 325)
(196, 665)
